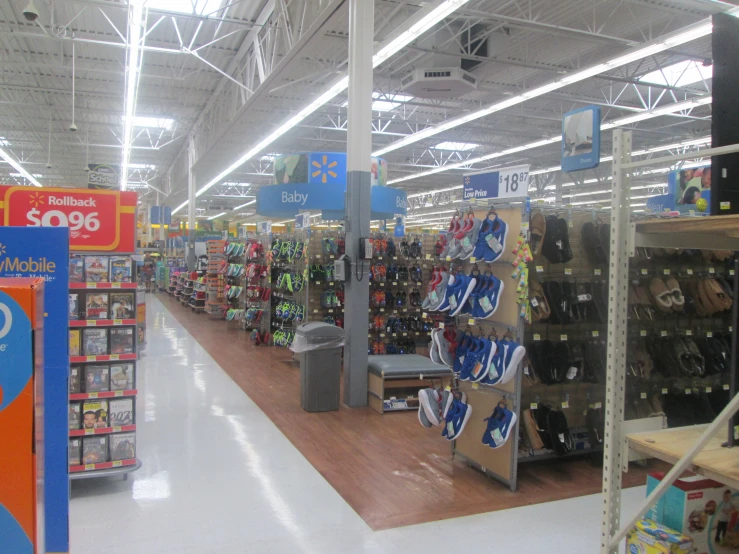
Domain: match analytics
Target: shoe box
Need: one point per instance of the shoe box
(692, 506)
(649, 537)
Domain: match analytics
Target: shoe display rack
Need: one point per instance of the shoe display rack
(215, 281)
(103, 347)
(234, 272)
(289, 285)
(258, 292)
(325, 295)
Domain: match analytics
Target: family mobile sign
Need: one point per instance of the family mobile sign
(509, 182)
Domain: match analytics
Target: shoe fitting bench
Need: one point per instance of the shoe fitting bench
(394, 380)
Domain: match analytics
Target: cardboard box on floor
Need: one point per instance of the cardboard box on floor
(21, 416)
(648, 537)
(694, 506)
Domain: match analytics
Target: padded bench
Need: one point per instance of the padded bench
(394, 380)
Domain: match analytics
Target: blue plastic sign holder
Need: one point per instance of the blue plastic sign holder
(44, 252)
(399, 230)
(509, 182)
(581, 139)
(160, 215)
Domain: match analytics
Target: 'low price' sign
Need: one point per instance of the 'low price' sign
(510, 182)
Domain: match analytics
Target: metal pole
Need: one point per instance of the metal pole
(191, 206)
(359, 155)
(734, 323)
(618, 282)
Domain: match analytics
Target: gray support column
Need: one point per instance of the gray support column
(558, 187)
(359, 153)
(191, 206)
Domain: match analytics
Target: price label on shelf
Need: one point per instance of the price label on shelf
(644, 271)
(537, 336)
(664, 391)
(91, 323)
(643, 333)
(89, 467)
(709, 389)
(475, 386)
(93, 395)
(115, 285)
(405, 334)
(117, 322)
(117, 463)
(568, 271)
(688, 333)
(595, 334)
(428, 256)
(395, 284)
(118, 393)
(533, 406)
(565, 405)
(114, 357)
(91, 285)
(663, 333)
(315, 311)
(731, 272)
(597, 271)
(597, 406)
(563, 338)
(687, 391)
(643, 395)
(709, 334)
(711, 270)
(382, 284)
(727, 387)
(441, 325)
(91, 358)
(382, 309)
(539, 269)
(689, 271)
(395, 334)
(89, 431)
(116, 429)
(470, 322)
(666, 271)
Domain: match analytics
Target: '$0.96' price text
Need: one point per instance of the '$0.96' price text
(55, 218)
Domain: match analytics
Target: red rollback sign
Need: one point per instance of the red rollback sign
(98, 220)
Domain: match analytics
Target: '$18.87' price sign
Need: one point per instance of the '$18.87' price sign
(92, 217)
(513, 182)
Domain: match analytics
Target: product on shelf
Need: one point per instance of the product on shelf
(97, 378)
(122, 376)
(75, 452)
(122, 340)
(74, 306)
(96, 305)
(76, 269)
(94, 414)
(121, 412)
(120, 269)
(122, 305)
(75, 373)
(94, 342)
(96, 269)
(94, 449)
(122, 446)
(74, 415)
(74, 342)
(500, 426)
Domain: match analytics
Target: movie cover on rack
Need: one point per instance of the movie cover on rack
(76, 269)
(97, 378)
(94, 450)
(75, 372)
(120, 269)
(94, 414)
(122, 376)
(94, 342)
(122, 446)
(122, 306)
(74, 416)
(96, 305)
(121, 412)
(74, 342)
(75, 452)
(96, 269)
(74, 305)
(121, 340)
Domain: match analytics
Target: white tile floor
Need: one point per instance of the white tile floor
(218, 476)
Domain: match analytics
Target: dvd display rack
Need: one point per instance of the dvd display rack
(215, 280)
(103, 353)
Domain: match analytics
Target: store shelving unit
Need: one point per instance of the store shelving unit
(215, 281)
(715, 232)
(81, 361)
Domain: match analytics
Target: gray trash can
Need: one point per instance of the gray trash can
(319, 346)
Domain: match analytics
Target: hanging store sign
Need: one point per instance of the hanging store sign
(510, 182)
(160, 215)
(264, 227)
(302, 221)
(98, 220)
(581, 139)
(103, 177)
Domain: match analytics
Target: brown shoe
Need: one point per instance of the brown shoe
(644, 301)
(538, 228)
(532, 430)
(661, 297)
(539, 306)
(678, 300)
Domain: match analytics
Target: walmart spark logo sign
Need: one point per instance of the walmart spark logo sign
(327, 168)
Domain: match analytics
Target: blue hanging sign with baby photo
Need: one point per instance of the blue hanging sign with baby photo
(581, 139)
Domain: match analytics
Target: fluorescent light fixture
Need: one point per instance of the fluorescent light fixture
(141, 166)
(426, 22)
(245, 205)
(693, 32)
(4, 141)
(134, 57)
(385, 102)
(458, 146)
(679, 74)
(18, 167)
(36, 175)
(198, 7)
(217, 215)
(165, 123)
(641, 116)
(178, 208)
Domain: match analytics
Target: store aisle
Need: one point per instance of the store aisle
(218, 476)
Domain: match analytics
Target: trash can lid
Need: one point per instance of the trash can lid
(316, 329)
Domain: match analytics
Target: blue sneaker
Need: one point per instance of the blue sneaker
(482, 367)
(461, 353)
(495, 240)
(461, 294)
(481, 246)
(456, 420)
(499, 428)
(495, 372)
(513, 356)
(472, 358)
(490, 298)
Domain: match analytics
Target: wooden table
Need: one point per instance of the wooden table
(714, 462)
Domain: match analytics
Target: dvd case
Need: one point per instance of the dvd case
(76, 269)
(122, 446)
(74, 379)
(121, 412)
(75, 452)
(122, 376)
(96, 305)
(95, 414)
(97, 378)
(120, 269)
(96, 269)
(94, 450)
(94, 342)
(122, 306)
(74, 342)
(121, 340)
(74, 415)
(74, 306)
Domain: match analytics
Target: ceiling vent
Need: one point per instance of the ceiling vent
(438, 82)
